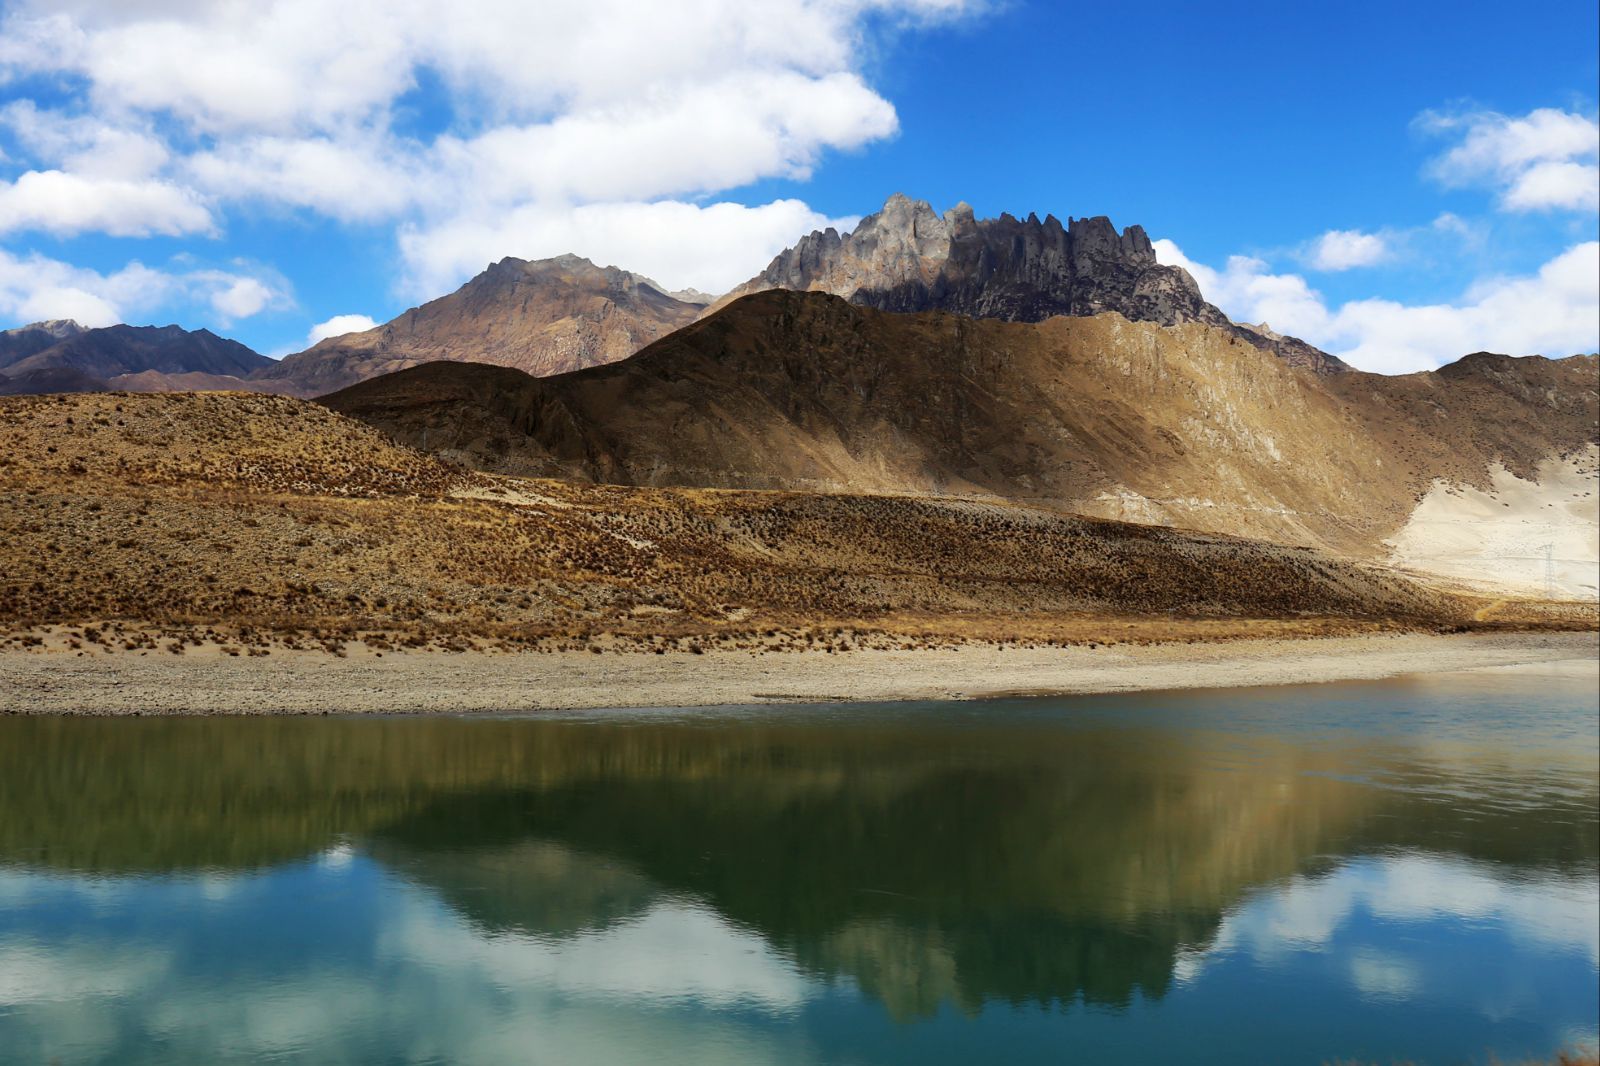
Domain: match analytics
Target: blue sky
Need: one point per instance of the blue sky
(1398, 183)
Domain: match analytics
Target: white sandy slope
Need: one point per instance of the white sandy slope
(1496, 539)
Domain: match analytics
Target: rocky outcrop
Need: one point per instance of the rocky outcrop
(908, 258)
(543, 317)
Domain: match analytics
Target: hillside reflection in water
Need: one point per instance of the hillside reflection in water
(1401, 870)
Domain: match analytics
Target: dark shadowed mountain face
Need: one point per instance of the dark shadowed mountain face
(1188, 425)
(908, 258)
(18, 344)
(544, 317)
(135, 358)
(48, 380)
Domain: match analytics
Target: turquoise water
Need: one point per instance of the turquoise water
(1373, 872)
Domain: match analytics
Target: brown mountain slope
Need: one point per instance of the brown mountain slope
(125, 351)
(544, 317)
(1188, 425)
(1481, 408)
(906, 257)
(266, 512)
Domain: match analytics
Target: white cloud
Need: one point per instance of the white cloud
(1453, 224)
(241, 298)
(709, 247)
(358, 179)
(1311, 912)
(35, 287)
(1249, 292)
(1553, 312)
(84, 145)
(572, 112)
(64, 204)
(742, 127)
(1383, 975)
(338, 326)
(1544, 160)
(93, 176)
(1344, 249)
(673, 953)
(1558, 184)
(677, 983)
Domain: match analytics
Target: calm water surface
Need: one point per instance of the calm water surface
(1402, 870)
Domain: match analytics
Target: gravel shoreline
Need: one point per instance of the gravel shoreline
(206, 681)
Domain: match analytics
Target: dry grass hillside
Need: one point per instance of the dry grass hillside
(1185, 426)
(267, 514)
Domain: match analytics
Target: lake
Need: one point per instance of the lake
(1402, 870)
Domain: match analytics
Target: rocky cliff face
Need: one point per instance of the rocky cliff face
(543, 317)
(908, 258)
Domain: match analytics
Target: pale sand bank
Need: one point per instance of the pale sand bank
(1539, 537)
(304, 682)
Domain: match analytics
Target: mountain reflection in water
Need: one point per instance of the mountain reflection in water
(1381, 869)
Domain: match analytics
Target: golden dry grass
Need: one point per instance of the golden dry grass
(163, 520)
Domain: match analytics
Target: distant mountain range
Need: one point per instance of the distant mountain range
(557, 315)
(62, 356)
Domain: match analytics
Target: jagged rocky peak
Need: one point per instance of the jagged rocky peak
(1097, 239)
(907, 257)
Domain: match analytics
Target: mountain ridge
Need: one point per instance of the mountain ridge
(906, 257)
(124, 357)
(542, 316)
(1186, 425)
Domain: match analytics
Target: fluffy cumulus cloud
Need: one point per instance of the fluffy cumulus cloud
(715, 246)
(1344, 249)
(338, 326)
(1552, 312)
(34, 287)
(241, 297)
(66, 204)
(93, 177)
(476, 129)
(1545, 160)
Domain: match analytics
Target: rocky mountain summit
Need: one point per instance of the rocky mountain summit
(907, 258)
(18, 344)
(544, 317)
